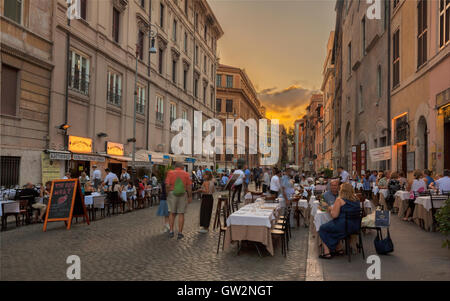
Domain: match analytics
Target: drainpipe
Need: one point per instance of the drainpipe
(388, 139)
(66, 106)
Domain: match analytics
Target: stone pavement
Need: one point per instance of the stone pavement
(132, 247)
(417, 256)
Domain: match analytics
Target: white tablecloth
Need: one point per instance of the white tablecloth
(425, 201)
(385, 192)
(303, 203)
(312, 200)
(314, 207)
(252, 215)
(9, 207)
(89, 200)
(321, 218)
(403, 195)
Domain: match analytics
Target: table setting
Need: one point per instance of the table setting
(253, 222)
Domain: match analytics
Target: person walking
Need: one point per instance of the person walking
(238, 183)
(207, 190)
(163, 209)
(248, 174)
(178, 187)
(266, 180)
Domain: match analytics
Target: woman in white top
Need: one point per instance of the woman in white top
(415, 186)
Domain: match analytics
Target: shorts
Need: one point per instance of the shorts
(176, 204)
(39, 206)
(163, 209)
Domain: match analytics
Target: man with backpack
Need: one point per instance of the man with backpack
(178, 183)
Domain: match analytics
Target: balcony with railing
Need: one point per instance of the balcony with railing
(114, 97)
(79, 82)
(140, 106)
(159, 119)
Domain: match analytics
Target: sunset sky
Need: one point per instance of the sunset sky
(281, 45)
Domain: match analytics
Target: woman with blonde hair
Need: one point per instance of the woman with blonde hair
(332, 232)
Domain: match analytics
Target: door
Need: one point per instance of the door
(447, 145)
(115, 168)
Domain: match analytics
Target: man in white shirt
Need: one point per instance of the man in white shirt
(96, 176)
(110, 176)
(238, 184)
(343, 174)
(124, 176)
(443, 184)
(67, 176)
(275, 183)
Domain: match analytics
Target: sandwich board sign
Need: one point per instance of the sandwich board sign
(65, 203)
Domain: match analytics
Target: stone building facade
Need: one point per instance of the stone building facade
(171, 83)
(420, 85)
(26, 75)
(237, 99)
(364, 91)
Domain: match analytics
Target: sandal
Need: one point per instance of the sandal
(339, 252)
(325, 256)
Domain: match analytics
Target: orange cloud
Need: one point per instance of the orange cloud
(286, 105)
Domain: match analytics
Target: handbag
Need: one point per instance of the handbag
(383, 246)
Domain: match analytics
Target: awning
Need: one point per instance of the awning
(154, 157)
(120, 158)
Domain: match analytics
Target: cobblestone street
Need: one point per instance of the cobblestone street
(132, 246)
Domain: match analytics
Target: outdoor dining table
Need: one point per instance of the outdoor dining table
(423, 212)
(320, 218)
(401, 202)
(252, 222)
(9, 206)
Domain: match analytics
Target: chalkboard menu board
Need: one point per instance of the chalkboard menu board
(65, 202)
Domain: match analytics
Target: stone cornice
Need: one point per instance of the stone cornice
(162, 42)
(25, 56)
(175, 53)
(143, 25)
(121, 5)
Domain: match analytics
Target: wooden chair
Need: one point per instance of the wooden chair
(222, 230)
(222, 208)
(284, 221)
(353, 217)
(280, 233)
(114, 200)
(24, 211)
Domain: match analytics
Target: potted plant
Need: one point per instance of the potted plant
(443, 220)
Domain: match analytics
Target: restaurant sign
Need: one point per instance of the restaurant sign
(380, 154)
(78, 157)
(115, 149)
(80, 144)
(59, 156)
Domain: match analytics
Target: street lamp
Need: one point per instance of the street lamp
(152, 32)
